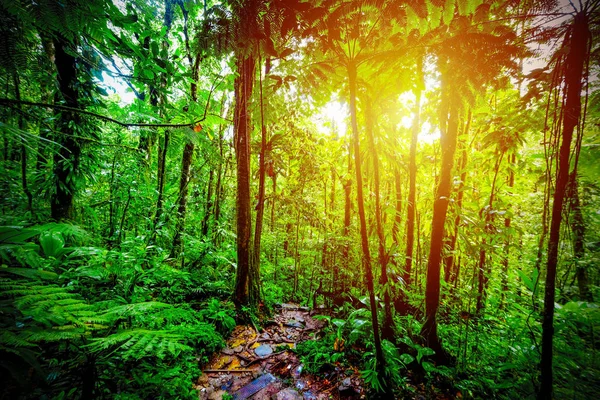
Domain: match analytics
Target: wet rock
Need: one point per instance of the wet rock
(238, 349)
(292, 323)
(256, 385)
(346, 385)
(227, 351)
(263, 350)
(287, 394)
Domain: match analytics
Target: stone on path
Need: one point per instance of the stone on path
(253, 387)
(263, 350)
(287, 394)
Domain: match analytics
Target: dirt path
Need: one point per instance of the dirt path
(261, 365)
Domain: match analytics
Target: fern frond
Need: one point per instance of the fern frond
(139, 343)
(11, 339)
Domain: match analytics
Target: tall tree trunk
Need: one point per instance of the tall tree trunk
(440, 207)
(387, 331)
(220, 172)
(347, 183)
(507, 223)
(209, 204)
(412, 171)
(46, 97)
(449, 261)
(262, 173)
(363, 227)
(164, 146)
(160, 186)
(398, 211)
(242, 126)
(186, 161)
(17, 83)
(66, 159)
(573, 73)
(483, 271)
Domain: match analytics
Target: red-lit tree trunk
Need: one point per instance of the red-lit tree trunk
(573, 77)
(449, 133)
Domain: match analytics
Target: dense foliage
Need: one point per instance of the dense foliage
(426, 169)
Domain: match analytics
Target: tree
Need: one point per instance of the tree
(574, 74)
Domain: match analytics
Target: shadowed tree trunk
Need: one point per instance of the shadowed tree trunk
(17, 83)
(578, 228)
(573, 75)
(66, 159)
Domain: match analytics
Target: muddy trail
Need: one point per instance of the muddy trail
(262, 365)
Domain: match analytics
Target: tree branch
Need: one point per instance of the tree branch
(104, 117)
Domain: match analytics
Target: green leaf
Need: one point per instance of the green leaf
(16, 234)
(31, 273)
(52, 243)
(148, 73)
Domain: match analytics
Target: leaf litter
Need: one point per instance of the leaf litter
(262, 365)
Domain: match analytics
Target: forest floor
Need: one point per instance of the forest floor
(261, 365)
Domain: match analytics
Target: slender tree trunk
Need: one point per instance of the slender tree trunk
(387, 331)
(186, 163)
(160, 187)
(363, 226)
(440, 208)
(262, 174)
(507, 223)
(483, 271)
(398, 213)
(21, 125)
(46, 90)
(164, 147)
(412, 170)
(573, 73)
(220, 172)
(578, 228)
(449, 267)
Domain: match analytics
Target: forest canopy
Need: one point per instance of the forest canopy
(420, 176)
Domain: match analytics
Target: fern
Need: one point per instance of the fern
(134, 344)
